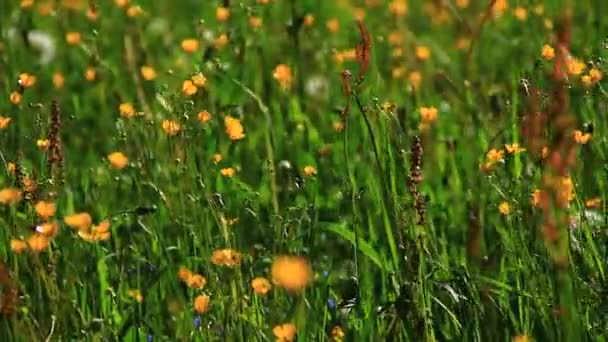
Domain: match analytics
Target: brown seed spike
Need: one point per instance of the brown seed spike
(363, 49)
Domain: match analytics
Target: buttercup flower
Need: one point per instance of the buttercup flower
(126, 110)
(45, 210)
(79, 221)
(190, 45)
(234, 129)
(201, 304)
(148, 72)
(118, 160)
(171, 127)
(4, 121)
(261, 286)
(282, 73)
(226, 257)
(292, 273)
(10, 196)
(285, 332)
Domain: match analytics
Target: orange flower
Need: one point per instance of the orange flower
(90, 74)
(593, 202)
(15, 97)
(548, 52)
(118, 160)
(291, 272)
(58, 80)
(217, 158)
(520, 13)
(101, 232)
(38, 242)
(398, 8)
(148, 72)
(234, 129)
(4, 121)
(135, 294)
(221, 41)
(226, 257)
(284, 332)
(196, 281)
(171, 127)
(26, 80)
(227, 172)
(201, 304)
(73, 38)
(333, 25)
(204, 116)
(495, 155)
(581, 138)
(260, 286)
(514, 148)
(45, 210)
(184, 274)
(415, 78)
(10, 196)
(43, 144)
(504, 208)
(48, 229)
(126, 110)
(121, 3)
(79, 221)
(134, 11)
(282, 73)
(190, 45)
(18, 246)
(337, 334)
(575, 66)
(188, 88)
(199, 80)
(255, 22)
(310, 171)
(423, 53)
(428, 114)
(309, 20)
(595, 75)
(222, 13)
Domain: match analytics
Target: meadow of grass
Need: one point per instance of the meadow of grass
(306, 170)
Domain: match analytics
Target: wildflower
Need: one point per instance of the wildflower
(234, 129)
(520, 13)
(544, 153)
(338, 126)
(201, 304)
(333, 25)
(285, 332)
(126, 110)
(148, 72)
(255, 22)
(428, 114)
(90, 74)
(337, 334)
(92, 13)
(171, 127)
(135, 294)
(398, 8)
(26, 80)
(190, 45)
(121, 3)
(48, 229)
(184, 274)
(73, 38)
(499, 7)
(188, 88)
(118, 160)
(45, 210)
(199, 80)
(415, 78)
(514, 148)
(593, 202)
(463, 43)
(548, 52)
(575, 66)
(10, 196)
(548, 24)
(423, 52)
(226, 257)
(27, 4)
(521, 338)
(11, 168)
(310, 171)
(43, 144)
(217, 157)
(28, 184)
(204, 116)
(580, 137)
(221, 41)
(101, 232)
(495, 155)
(58, 80)
(260, 286)
(539, 10)
(595, 75)
(18, 246)
(38, 242)
(282, 73)
(4, 121)
(78, 221)
(227, 172)
(134, 11)
(504, 208)
(309, 20)
(586, 80)
(291, 272)
(462, 3)
(222, 13)
(15, 97)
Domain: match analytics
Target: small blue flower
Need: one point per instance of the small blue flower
(331, 304)
(150, 337)
(325, 274)
(197, 322)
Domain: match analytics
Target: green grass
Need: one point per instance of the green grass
(468, 273)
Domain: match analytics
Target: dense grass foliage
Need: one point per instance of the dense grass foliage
(303, 170)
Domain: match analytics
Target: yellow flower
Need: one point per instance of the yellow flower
(292, 273)
(398, 8)
(196, 281)
(514, 148)
(581, 138)
(134, 11)
(73, 38)
(18, 246)
(121, 3)
(282, 73)
(4, 121)
(221, 41)
(190, 45)
(285, 332)
(11, 168)
(593, 202)
(201, 304)
(118, 160)
(15, 97)
(595, 75)
(310, 171)
(222, 13)
(28, 184)
(499, 7)
(43, 144)
(90, 74)
(135, 294)
(255, 22)
(495, 155)
(171, 127)
(79, 221)
(188, 88)
(148, 72)
(26, 80)
(309, 20)
(333, 25)
(522, 338)
(58, 80)
(462, 3)
(261, 286)
(227, 172)
(101, 232)
(423, 53)
(27, 4)
(126, 110)
(586, 80)
(45, 210)
(10, 196)
(415, 78)
(548, 52)
(575, 66)
(217, 158)
(226, 257)
(428, 114)
(520, 13)
(337, 334)
(38, 242)
(199, 80)
(204, 116)
(234, 129)
(504, 208)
